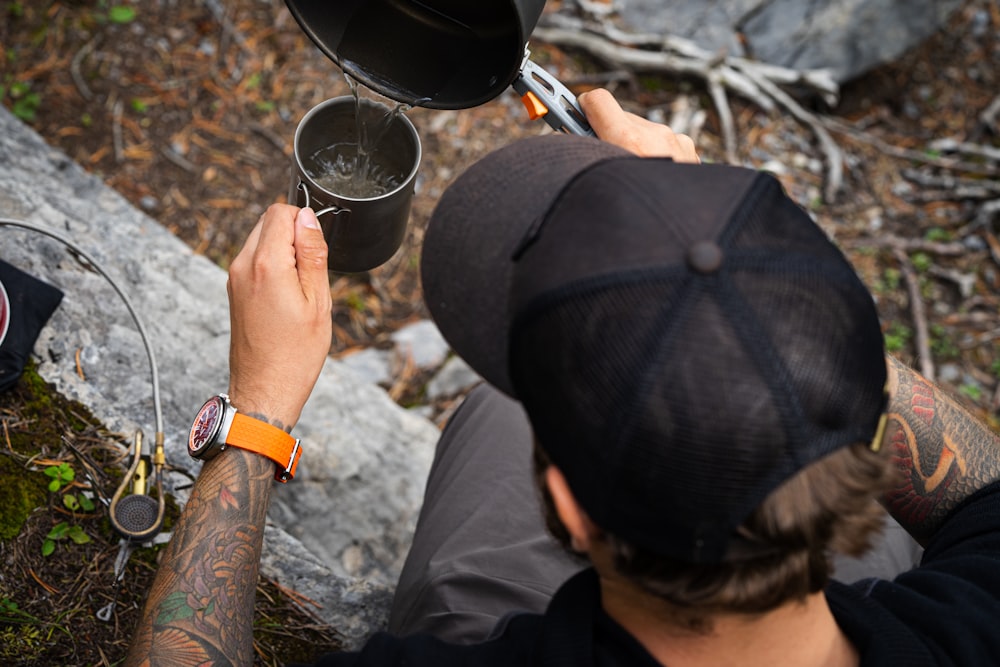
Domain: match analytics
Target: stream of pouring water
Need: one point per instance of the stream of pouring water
(354, 169)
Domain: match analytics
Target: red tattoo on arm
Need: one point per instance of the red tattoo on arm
(944, 452)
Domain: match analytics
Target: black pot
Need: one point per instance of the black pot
(441, 54)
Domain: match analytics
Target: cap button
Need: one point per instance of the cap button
(705, 257)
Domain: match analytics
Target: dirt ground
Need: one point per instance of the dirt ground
(189, 108)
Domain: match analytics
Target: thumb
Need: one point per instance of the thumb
(310, 255)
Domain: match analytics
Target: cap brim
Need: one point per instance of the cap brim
(475, 230)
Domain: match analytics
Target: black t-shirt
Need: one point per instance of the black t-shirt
(945, 612)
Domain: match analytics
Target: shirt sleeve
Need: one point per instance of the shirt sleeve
(952, 600)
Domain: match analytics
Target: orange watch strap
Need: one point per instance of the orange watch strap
(268, 440)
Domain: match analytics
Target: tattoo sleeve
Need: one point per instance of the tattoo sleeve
(200, 607)
(944, 453)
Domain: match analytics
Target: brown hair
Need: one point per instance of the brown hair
(829, 506)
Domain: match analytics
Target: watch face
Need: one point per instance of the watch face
(205, 427)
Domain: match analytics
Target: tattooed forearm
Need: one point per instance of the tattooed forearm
(944, 452)
(200, 607)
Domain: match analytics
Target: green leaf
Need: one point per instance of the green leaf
(48, 546)
(52, 471)
(922, 261)
(86, 503)
(54, 485)
(77, 535)
(121, 14)
(58, 531)
(67, 473)
(973, 391)
(71, 503)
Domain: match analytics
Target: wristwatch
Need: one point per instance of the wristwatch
(219, 425)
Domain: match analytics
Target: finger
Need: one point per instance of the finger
(277, 235)
(311, 256)
(250, 245)
(602, 109)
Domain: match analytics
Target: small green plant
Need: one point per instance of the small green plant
(138, 105)
(62, 531)
(356, 302)
(121, 14)
(78, 502)
(11, 613)
(941, 344)
(25, 102)
(938, 235)
(62, 475)
(891, 277)
(921, 261)
(973, 391)
(897, 337)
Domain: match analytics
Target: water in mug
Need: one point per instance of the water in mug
(353, 169)
(342, 170)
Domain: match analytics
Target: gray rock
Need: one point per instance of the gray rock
(352, 507)
(374, 366)
(423, 343)
(949, 373)
(848, 37)
(454, 378)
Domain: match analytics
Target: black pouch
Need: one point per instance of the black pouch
(29, 305)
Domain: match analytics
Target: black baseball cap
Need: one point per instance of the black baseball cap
(684, 338)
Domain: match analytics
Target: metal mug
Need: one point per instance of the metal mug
(362, 232)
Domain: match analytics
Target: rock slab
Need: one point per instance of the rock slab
(848, 37)
(340, 531)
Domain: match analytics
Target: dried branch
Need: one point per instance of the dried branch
(718, 93)
(228, 29)
(954, 146)
(953, 249)
(922, 336)
(116, 131)
(989, 115)
(758, 82)
(987, 212)
(74, 69)
(922, 157)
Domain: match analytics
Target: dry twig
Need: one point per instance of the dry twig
(922, 336)
(74, 69)
(758, 82)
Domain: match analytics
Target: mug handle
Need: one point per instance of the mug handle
(336, 210)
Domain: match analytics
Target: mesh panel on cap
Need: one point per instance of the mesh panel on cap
(675, 401)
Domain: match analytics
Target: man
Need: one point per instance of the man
(705, 389)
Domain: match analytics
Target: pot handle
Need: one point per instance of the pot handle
(546, 97)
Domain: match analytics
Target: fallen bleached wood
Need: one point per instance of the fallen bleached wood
(760, 83)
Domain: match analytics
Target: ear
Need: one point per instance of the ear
(581, 529)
